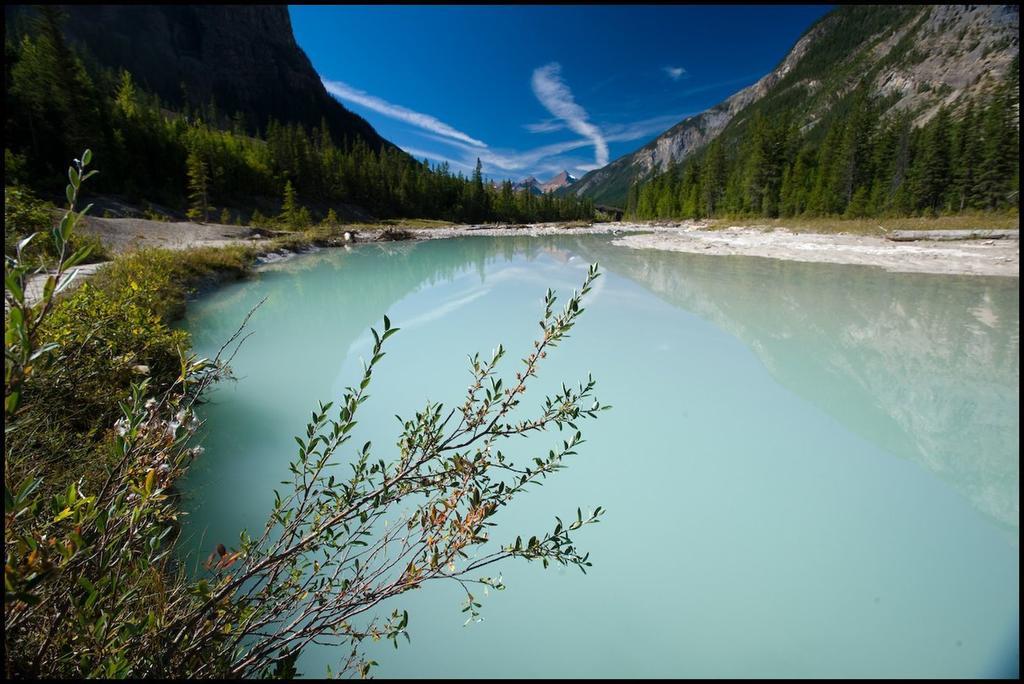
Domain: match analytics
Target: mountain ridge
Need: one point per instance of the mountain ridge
(242, 58)
(917, 57)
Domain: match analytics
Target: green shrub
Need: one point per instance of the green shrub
(24, 214)
(162, 279)
(105, 341)
(14, 167)
(153, 214)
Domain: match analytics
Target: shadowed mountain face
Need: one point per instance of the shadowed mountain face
(926, 367)
(243, 58)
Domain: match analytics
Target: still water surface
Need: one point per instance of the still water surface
(809, 469)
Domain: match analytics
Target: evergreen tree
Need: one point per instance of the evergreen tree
(964, 162)
(126, 98)
(198, 183)
(931, 165)
(713, 177)
(293, 214)
(632, 198)
(996, 184)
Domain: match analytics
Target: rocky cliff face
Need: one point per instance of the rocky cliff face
(242, 57)
(961, 50)
(918, 57)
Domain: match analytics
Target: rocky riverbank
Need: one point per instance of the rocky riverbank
(982, 257)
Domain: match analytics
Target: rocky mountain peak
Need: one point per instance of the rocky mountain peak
(562, 180)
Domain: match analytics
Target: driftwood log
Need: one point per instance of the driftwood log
(911, 235)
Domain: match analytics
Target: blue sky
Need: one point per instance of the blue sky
(532, 90)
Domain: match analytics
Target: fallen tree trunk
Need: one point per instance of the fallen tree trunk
(911, 235)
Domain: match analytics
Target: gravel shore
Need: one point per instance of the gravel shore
(960, 257)
(965, 257)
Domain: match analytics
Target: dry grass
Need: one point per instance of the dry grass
(403, 224)
(874, 226)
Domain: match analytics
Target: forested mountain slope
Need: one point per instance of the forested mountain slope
(214, 111)
(910, 59)
(241, 59)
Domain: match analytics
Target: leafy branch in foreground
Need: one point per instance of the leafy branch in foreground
(89, 579)
(92, 586)
(24, 318)
(337, 545)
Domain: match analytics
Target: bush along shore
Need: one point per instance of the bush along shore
(100, 395)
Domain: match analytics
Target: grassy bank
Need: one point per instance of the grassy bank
(115, 329)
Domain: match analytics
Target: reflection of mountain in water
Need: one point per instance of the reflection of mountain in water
(926, 367)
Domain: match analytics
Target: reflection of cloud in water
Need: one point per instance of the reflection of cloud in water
(561, 277)
(444, 309)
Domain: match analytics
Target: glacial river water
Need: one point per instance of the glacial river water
(808, 469)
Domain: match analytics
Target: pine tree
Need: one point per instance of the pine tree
(198, 182)
(291, 213)
(931, 164)
(965, 160)
(853, 159)
(478, 198)
(126, 98)
(713, 175)
(858, 205)
(995, 186)
(632, 198)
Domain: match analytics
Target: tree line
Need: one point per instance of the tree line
(856, 163)
(201, 159)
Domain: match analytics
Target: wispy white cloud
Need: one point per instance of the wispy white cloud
(445, 308)
(343, 91)
(556, 97)
(675, 73)
(421, 153)
(512, 160)
(546, 126)
(617, 132)
(547, 160)
(542, 161)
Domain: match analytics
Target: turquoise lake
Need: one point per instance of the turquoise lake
(808, 470)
